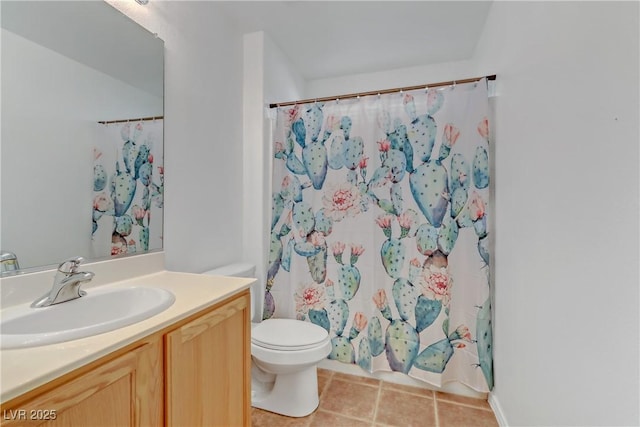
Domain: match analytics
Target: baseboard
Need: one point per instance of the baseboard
(497, 410)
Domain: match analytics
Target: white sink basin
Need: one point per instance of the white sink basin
(100, 310)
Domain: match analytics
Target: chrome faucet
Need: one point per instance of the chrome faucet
(66, 284)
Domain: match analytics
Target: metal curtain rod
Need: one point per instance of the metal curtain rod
(141, 119)
(381, 92)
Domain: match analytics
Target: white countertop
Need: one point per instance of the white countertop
(24, 369)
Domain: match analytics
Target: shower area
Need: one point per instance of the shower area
(378, 228)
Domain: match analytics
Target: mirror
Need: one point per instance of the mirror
(81, 165)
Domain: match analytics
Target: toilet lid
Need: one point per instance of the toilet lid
(288, 334)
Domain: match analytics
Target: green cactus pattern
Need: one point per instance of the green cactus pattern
(425, 193)
(342, 350)
(401, 345)
(349, 280)
(376, 341)
(405, 295)
(338, 312)
(126, 198)
(364, 354)
(485, 341)
(392, 254)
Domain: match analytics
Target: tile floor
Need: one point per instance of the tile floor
(354, 401)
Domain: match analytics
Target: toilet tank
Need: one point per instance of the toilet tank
(241, 269)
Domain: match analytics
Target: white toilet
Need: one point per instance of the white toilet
(285, 354)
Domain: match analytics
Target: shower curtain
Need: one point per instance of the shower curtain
(379, 230)
(128, 188)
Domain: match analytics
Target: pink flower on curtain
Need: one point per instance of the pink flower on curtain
(329, 288)
(432, 98)
(356, 251)
(415, 262)
(463, 332)
(406, 221)
(332, 123)
(341, 201)
(291, 115)
(316, 238)
(436, 284)
(278, 147)
(337, 248)
(483, 128)
(360, 321)
(118, 248)
(380, 299)
(311, 297)
(363, 162)
(451, 134)
(384, 145)
(138, 212)
(102, 203)
(476, 207)
(407, 99)
(384, 221)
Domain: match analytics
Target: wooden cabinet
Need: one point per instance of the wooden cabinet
(196, 372)
(124, 391)
(208, 369)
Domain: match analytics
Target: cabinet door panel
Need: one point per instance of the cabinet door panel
(126, 391)
(208, 368)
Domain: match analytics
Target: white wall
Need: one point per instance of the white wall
(401, 77)
(566, 205)
(566, 162)
(268, 77)
(203, 130)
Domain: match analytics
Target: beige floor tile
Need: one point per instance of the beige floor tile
(357, 379)
(260, 418)
(324, 372)
(350, 398)
(323, 381)
(463, 400)
(328, 419)
(454, 415)
(408, 389)
(397, 408)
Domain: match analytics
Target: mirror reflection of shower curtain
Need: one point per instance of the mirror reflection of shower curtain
(379, 230)
(128, 188)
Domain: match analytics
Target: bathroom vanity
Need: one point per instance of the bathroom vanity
(189, 365)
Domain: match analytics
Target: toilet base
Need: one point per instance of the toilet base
(294, 394)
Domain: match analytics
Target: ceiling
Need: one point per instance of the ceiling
(324, 39)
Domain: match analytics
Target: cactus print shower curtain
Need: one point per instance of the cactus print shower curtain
(128, 188)
(379, 230)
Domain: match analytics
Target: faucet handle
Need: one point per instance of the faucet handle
(70, 265)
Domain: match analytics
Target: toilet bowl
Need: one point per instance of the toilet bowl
(284, 354)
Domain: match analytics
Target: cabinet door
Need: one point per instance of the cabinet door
(208, 368)
(126, 391)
